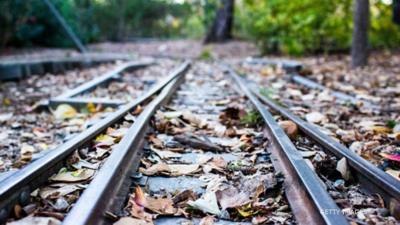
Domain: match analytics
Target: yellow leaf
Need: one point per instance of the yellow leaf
(381, 130)
(7, 101)
(91, 107)
(103, 138)
(244, 213)
(64, 111)
(246, 210)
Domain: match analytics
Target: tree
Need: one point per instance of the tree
(221, 28)
(359, 46)
(396, 11)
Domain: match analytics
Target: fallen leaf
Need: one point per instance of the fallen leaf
(259, 220)
(231, 197)
(207, 203)
(51, 192)
(137, 110)
(290, 128)
(117, 133)
(343, 168)
(26, 152)
(139, 197)
(394, 173)
(179, 170)
(64, 111)
(381, 130)
(165, 154)
(246, 211)
(137, 203)
(91, 107)
(161, 206)
(4, 117)
(131, 221)
(155, 141)
(74, 176)
(307, 154)
(30, 220)
(391, 157)
(194, 119)
(172, 114)
(315, 117)
(104, 140)
(170, 169)
(208, 220)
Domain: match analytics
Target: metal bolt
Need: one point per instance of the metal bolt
(136, 175)
(3, 216)
(24, 198)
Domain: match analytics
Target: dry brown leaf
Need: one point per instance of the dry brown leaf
(51, 192)
(165, 154)
(171, 170)
(161, 206)
(30, 220)
(208, 220)
(156, 142)
(231, 197)
(137, 202)
(290, 128)
(131, 221)
(315, 117)
(195, 120)
(73, 176)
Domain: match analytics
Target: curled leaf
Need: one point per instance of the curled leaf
(65, 111)
(91, 107)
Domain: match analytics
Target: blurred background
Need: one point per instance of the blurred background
(276, 26)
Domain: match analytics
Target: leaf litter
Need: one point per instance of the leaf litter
(246, 189)
(368, 133)
(53, 200)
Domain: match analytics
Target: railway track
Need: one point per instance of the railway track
(200, 146)
(16, 189)
(60, 118)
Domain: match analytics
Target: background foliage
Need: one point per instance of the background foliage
(277, 26)
(310, 26)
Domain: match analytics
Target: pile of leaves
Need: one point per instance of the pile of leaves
(203, 136)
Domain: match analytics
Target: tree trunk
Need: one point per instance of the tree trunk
(359, 47)
(221, 29)
(396, 11)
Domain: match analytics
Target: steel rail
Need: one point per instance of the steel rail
(339, 95)
(314, 192)
(17, 188)
(111, 181)
(371, 177)
(288, 65)
(113, 74)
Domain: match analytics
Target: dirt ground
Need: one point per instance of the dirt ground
(171, 48)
